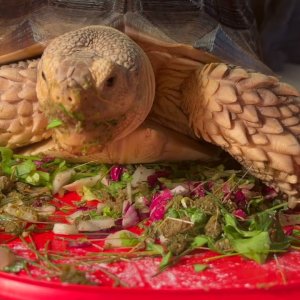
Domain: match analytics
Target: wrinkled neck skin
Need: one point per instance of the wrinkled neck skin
(98, 83)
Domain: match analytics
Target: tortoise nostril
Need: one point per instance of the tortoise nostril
(110, 81)
(70, 99)
(44, 76)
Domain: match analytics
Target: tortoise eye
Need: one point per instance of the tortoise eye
(110, 81)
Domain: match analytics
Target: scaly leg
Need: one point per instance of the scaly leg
(252, 116)
(21, 121)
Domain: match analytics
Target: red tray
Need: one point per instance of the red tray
(227, 278)
(233, 277)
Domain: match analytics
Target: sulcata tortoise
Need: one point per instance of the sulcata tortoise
(142, 81)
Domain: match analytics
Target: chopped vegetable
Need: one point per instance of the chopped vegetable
(45, 210)
(72, 217)
(121, 238)
(61, 228)
(78, 185)
(96, 225)
(141, 174)
(61, 179)
(130, 216)
(22, 212)
(200, 267)
(116, 173)
(158, 205)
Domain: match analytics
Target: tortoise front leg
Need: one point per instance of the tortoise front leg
(21, 120)
(252, 116)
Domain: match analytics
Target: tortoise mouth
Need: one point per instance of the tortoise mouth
(88, 124)
(79, 143)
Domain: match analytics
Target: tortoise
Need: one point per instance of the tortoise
(123, 82)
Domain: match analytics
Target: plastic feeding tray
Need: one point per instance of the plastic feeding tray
(136, 279)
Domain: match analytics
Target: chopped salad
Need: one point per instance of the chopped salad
(166, 210)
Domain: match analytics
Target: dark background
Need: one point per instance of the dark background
(278, 25)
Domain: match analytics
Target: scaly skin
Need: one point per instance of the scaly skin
(252, 116)
(21, 120)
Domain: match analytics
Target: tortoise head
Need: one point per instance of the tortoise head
(98, 83)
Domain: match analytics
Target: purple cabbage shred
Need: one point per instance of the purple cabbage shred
(288, 230)
(116, 173)
(158, 204)
(130, 216)
(239, 213)
(200, 189)
(240, 198)
(269, 192)
(153, 180)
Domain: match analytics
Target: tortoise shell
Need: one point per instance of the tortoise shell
(223, 28)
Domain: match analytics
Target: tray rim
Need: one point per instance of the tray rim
(14, 287)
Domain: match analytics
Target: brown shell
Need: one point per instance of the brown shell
(223, 28)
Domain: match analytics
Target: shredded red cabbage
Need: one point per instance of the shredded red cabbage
(47, 159)
(239, 213)
(240, 198)
(116, 173)
(153, 179)
(200, 189)
(197, 189)
(130, 216)
(158, 204)
(269, 192)
(288, 230)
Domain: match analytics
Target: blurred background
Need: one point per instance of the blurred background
(278, 25)
(242, 32)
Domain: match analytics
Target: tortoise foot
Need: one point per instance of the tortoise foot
(252, 116)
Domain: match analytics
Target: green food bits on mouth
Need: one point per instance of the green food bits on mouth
(54, 123)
